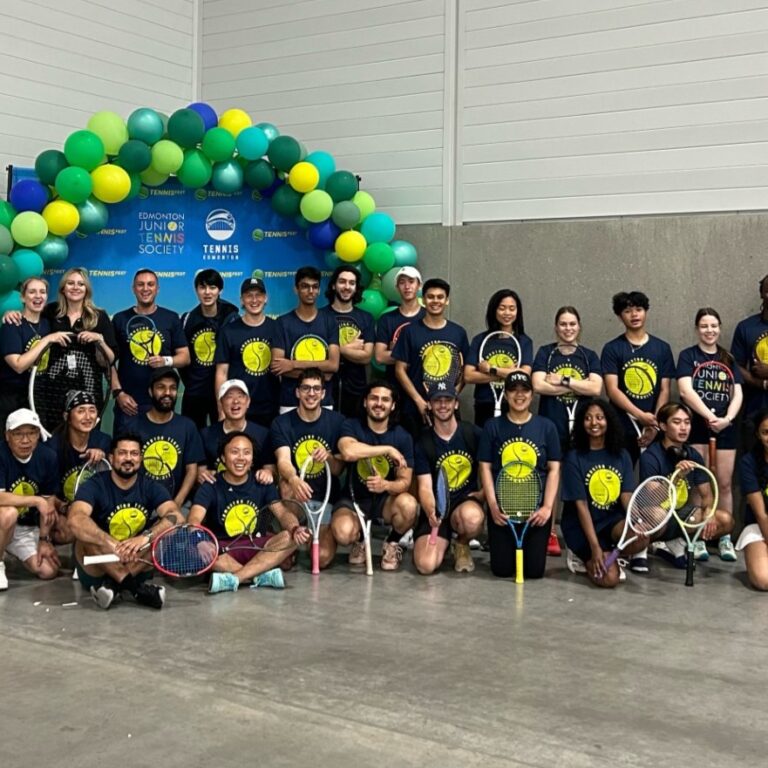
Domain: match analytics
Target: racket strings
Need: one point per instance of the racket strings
(518, 498)
(442, 492)
(185, 551)
(651, 507)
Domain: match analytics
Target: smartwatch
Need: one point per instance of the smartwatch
(116, 393)
(566, 381)
(493, 371)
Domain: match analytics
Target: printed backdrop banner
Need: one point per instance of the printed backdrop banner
(176, 232)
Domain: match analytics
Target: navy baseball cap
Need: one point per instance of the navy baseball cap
(518, 379)
(442, 389)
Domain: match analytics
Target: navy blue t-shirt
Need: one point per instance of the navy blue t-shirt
(234, 509)
(123, 513)
(753, 478)
(262, 451)
(395, 436)
(355, 324)
(70, 462)
(16, 340)
(247, 350)
(656, 461)
(496, 347)
(302, 340)
(136, 339)
(750, 343)
(36, 477)
(388, 329)
(713, 393)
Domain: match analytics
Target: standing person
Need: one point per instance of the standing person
(712, 418)
(308, 339)
(201, 327)
(244, 351)
(159, 342)
(355, 338)
(427, 351)
(379, 457)
(24, 345)
(637, 368)
(503, 313)
(598, 481)
(519, 435)
(450, 446)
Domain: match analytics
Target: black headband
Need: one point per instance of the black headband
(78, 397)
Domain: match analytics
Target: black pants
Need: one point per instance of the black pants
(10, 401)
(200, 408)
(502, 545)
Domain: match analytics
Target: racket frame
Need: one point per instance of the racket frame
(83, 476)
(144, 322)
(442, 502)
(315, 511)
(364, 524)
(578, 350)
(497, 387)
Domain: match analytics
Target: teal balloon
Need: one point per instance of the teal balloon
(373, 302)
(9, 274)
(135, 156)
(301, 221)
(325, 165)
(345, 214)
(6, 240)
(29, 262)
(74, 184)
(53, 251)
(379, 257)
(259, 174)
(145, 125)
(286, 201)
(252, 143)
(405, 253)
(94, 216)
(316, 206)
(269, 130)
(332, 260)
(186, 128)
(49, 164)
(284, 152)
(11, 302)
(341, 185)
(227, 176)
(389, 285)
(196, 170)
(378, 228)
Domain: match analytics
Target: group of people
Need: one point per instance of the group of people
(262, 395)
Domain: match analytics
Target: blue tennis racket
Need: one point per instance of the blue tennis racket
(442, 499)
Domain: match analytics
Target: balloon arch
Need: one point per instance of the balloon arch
(112, 160)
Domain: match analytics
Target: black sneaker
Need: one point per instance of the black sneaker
(150, 595)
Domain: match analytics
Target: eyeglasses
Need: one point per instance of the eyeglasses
(309, 286)
(314, 388)
(27, 434)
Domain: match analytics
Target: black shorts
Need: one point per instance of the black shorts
(700, 434)
(372, 507)
(446, 530)
(576, 541)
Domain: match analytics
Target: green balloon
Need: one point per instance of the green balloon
(7, 213)
(53, 251)
(379, 257)
(284, 152)
(9, 274)
(259, 174)
(365, 203)
(286, 201)
(29, 229)
(389, 285)
(316, 206)
(153, 178)
(373, 302)
(227, 176)
(167, 157)
(218, 144)
(135, 156)
(84, 148)
(186, 128)
(135, 186)
(29, 263)
(74, 184)
(6, 240)
(345, 215)
(111, 129)
(93, 216)
(341, 185)
(49, 164)
(145, 125)
(11, 302)
(195, 171)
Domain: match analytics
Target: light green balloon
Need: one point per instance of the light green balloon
(153, 178)
(167, 157)
(29, 229)
(316, 206)
(111, 129)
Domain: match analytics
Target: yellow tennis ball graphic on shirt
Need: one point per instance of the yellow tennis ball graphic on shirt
(604, 487)
(303, 452)
(310, 348)
(380, 465)
(205, 346)
(520, 452)
(142, 341)
(436, 360)
(126, 523)
(257, 357)
(68, 486)
(160, 458)
(457, 469)
(42, 362)
(761, 350)
(24, 488)
(682, 492)
(640, 378)
(240, 518)
(502, 360)
(347, 333)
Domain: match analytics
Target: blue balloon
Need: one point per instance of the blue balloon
(323, 235)
(29, 195)
(324, 163)
(207, 112)
(272, 188)
(378, 228)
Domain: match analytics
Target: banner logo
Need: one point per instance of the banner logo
(220, 224)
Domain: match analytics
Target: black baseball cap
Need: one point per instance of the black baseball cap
(518, 379)
(252, 284)
(166, 372)
(442, 389)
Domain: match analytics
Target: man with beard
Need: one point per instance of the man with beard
(170, 443)
(121, 512)
(451, 445)
(379, 456)
(148, 337)
(234, 402)
(201, 327)
(355, 338)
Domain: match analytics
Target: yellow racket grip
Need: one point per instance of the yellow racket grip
(519, 566)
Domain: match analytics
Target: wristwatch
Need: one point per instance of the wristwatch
(116, 393)
(566, 381)
(493, 371)
(46, 539)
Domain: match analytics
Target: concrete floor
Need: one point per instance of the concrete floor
(397, 670)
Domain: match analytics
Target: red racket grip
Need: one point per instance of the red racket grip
(433, 535)
(712, 453)
(315, 558)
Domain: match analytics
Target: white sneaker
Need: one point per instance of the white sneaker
(475, 544)
(622, 574)
(573, 563)
(3, 577)
(406, 540)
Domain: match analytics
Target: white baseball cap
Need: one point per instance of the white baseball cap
(24, 417)
(233, 384)
(408, 272)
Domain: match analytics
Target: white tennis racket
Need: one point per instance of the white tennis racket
(500, 350)
(315, 508)
(364, 524)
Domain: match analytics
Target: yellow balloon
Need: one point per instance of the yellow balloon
(304, 177)
(234, 121)
(61, 217)
(350, 246)
(111, 183)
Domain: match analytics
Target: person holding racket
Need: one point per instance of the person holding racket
(201, 327)
(244, 352)
(379, 458)
(120, 512)
(449, 447)
(307, 339)
(148, 337)
(493, 354)
(710, 385)
(355, 338)
(429, 351)
(531, 442)
(310, 430)
(598, 480)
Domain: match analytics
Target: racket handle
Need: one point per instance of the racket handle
(519, 565)
(98, 559)
(611, 559)
(433, 536)
(368, 553)
(712, 453)
(497, 410)
(689, 568)
(315, 558)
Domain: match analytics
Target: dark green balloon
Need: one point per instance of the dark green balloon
(195, 171)
(93, 216)
(49, 164)
(9, 274)
(53, 251)
(259, 174)
(186, 128)
(341, 185)
(135, 186)
(284, 152)
(345, 214)
(135, 156)
(286, 201)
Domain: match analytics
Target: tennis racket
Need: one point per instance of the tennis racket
(396, 334)
(358, 481)
(569, 360)
(144, 340)
(694, 514)
(315, 509)
(519, 489)
(650, 507)
(87, 471)
(442, 501)
(500, 350)
(714, 383)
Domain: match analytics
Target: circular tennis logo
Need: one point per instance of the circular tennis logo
(604, 487)
(761, 350)
(257, 357)
(303, 451)
(348, 333)
(640, 378)
(23, 488)
(501, 359)
(204, 344)
(220, 224)
(42, 363)
(144, 343)
(436, 360)
(126, 522)
(522, 452)
(68, 484)
(310, 348)
(458, 469)
(681, 486)
(240, 517)
(160, 458)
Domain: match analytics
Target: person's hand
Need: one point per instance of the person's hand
(205, 475)
(90, 337)
(597, 563)
(432, 516)
(264, 477)
(710, 530)
(157, 361)
(376, 484)
(127, 404)
(760, 369)
(300, 490)
(647, 436)
(356, 343)
(541, 516)
(685, 466)
(129, 550)
(47, 509)
(497, 515)
(397, 458)
(62, 338)
(12, 317)
(718, 424)
(92, 455)
(424, 410)
(320, 454)
(281, 366)
(46, 551)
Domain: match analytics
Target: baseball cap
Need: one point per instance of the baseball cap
(24, 417)
(166, 372)
(408, 272)
(232, 384)
(442, 389)
(518, 379)
(252, 284)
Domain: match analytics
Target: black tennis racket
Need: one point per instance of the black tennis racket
(442, 501)
(144, 340)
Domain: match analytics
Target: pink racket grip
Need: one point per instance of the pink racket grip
(433, 536)
(315, 558)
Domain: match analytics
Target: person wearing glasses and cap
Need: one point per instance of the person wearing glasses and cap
(30, 521)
